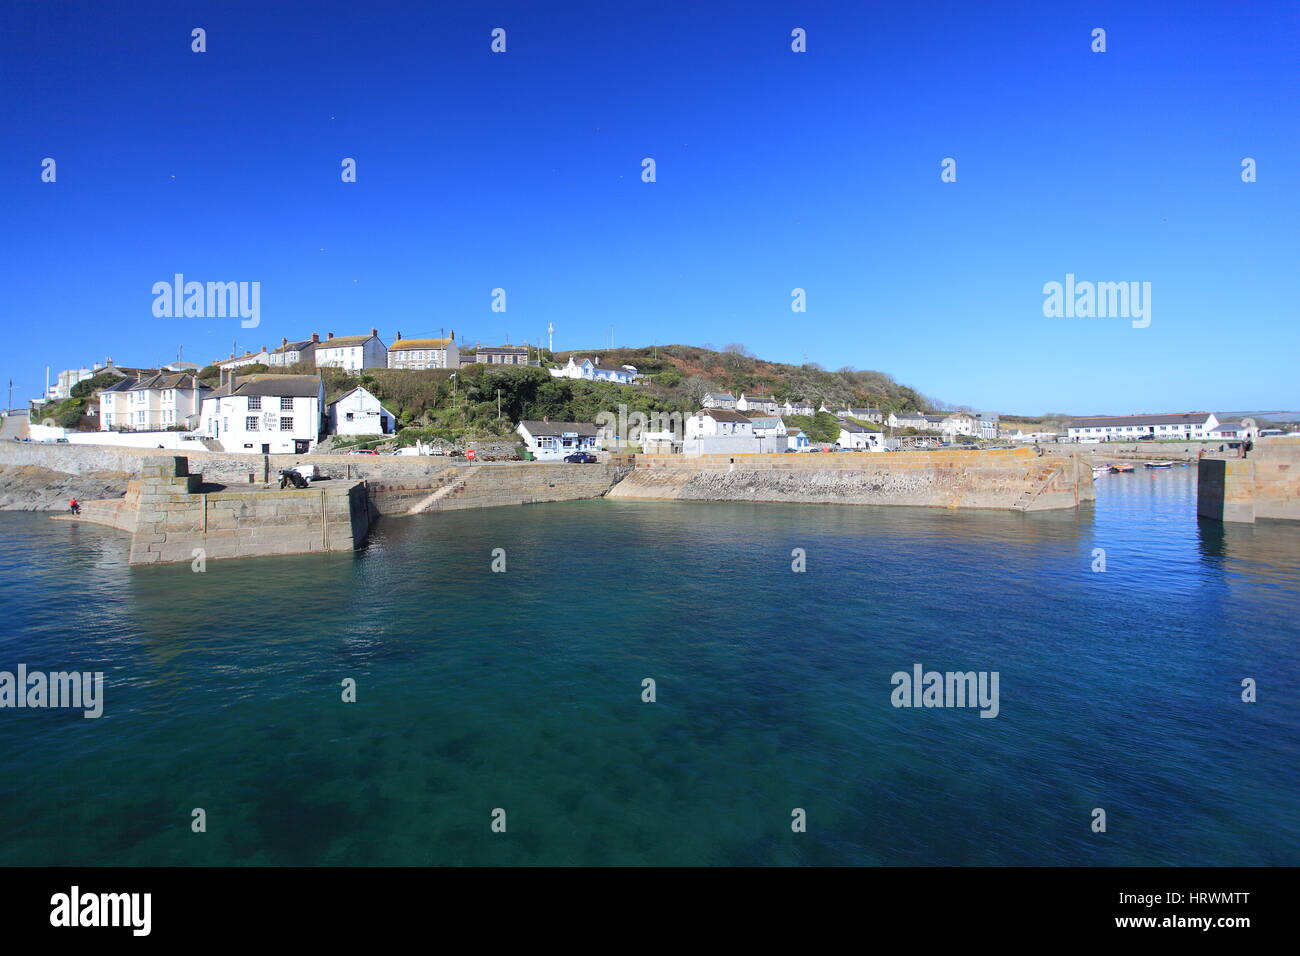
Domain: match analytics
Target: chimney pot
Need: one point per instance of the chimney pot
(374, 331)
(329, 335)
(399, 336)
(315, 336)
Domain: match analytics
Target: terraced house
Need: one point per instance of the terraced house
(424, 353)
(152, 402)
(291, 353)
(352, 352)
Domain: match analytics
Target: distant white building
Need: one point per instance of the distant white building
(724, 431)
(351, 352)
(359, 413)
(873, 415)
(958, 423)
(260, 357)
(718, 400)
(798, 408)
(152, 403)
(771, 432)
(908, 420)
(795, 438)
(1025, 437)
(593, 371)
(554, 441)
(424, 353)
(265, 414)
(1231, 431)
(291, 353)
(1187, 426)
(986, 425)
(501, 355)
(765, 404)
(853, 435)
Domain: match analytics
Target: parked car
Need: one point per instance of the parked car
(363, 451)
(581, 458)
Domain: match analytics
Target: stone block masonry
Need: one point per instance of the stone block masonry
(1264, 485)
(1014, 480)
(175, 516)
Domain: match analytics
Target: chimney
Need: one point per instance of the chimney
(374, 331)
(399, 336)
(329, 335)
(315, 336)
(453, 335)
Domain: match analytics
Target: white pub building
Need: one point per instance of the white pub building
(265, 414)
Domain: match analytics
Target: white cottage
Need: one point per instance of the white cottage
(593, 371)
(722, 431)
(360, 413)
(265, 414)
(553, 441)
(853, 435)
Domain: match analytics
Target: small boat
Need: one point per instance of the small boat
(1118, 469)
(1160, 464)
(1099, 470)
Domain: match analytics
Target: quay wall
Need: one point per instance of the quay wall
(1266, 484)
(392, 480)
(495, 484)
(175, 516)
(1013, 479)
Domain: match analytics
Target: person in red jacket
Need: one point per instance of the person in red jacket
(74, 507)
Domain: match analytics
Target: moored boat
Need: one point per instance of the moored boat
(1160, 464)
(1118, 469)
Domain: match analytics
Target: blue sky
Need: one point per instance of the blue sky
(775, 170)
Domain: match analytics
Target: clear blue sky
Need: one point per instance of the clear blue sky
(775, 170)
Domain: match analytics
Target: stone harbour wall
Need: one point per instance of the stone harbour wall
(1015, 479)
(1265, 484)
(175, 516)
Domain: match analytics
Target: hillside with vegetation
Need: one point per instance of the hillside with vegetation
(483, 401)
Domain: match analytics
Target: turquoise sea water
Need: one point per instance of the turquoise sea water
(522, 690)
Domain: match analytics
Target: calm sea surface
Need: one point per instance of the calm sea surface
(522, 690)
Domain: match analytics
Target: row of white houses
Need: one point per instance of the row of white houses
(1187, 426)
(267, 414)
(357, 352)
(973, 424)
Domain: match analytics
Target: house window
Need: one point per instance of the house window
(286, 424)
(250, 423)
(349, 416)
(254, 403)
(286, 404)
